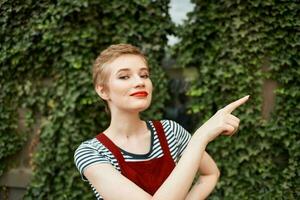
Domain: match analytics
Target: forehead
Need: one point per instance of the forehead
(127, 61)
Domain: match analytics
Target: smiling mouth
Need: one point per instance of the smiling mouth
(140, 94)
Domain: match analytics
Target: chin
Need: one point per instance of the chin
(140, 108)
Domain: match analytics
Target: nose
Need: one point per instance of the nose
(139, 82)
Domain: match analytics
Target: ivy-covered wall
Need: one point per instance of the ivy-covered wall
(235, 46)
(47, 50)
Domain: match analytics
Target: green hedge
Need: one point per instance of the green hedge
(47, 49)
(229, 42)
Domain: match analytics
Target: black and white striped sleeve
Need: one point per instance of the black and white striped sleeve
(87, 155)
(182, 135)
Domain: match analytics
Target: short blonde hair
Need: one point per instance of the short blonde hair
(108, 55)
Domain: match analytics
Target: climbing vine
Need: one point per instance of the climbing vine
(47, 50)
(230, 43)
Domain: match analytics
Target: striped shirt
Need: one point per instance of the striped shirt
(93, 152)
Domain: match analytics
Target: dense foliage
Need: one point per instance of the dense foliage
(235, 46)
(47, 49)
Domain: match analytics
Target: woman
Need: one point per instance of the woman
(136, 159)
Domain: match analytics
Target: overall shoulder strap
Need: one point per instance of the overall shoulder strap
(162, 137)
(111, 147)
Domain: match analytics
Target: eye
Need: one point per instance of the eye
(125, 77)
(145, 76)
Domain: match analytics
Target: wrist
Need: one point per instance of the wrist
(201, 135)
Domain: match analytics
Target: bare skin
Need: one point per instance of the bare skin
(133, 136)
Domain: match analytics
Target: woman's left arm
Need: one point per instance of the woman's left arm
(209, 175)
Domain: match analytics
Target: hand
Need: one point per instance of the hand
(222, 122)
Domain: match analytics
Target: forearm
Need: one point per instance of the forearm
(178, 183)
(207, 181)
(203, 187)
(180, 180)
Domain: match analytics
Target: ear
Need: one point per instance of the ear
(102, 92)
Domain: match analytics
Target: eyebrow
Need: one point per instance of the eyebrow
(127, 69)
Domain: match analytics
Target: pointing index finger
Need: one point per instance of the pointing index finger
(232, 106)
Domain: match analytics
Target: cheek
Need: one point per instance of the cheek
(150, 86)
(118, 88)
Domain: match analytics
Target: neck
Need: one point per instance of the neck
(125, 124)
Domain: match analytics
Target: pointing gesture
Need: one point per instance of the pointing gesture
(232, 106)
(222, 122)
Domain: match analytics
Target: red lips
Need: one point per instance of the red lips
(140, 94)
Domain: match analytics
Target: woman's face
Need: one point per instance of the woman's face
(129, 86)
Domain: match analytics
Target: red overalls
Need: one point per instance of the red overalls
(148, 175)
